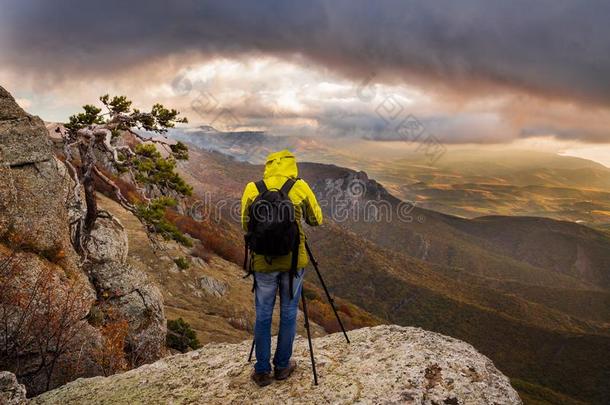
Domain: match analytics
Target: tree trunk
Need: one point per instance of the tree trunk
(87, 159)
(91, 201)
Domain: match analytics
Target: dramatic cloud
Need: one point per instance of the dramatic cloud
(471, 71)
(555, 47)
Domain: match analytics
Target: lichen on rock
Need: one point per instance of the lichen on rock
(385, 364)
(126, 291)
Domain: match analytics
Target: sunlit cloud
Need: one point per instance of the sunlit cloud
(473, 73)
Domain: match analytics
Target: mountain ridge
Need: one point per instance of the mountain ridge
(463, 182)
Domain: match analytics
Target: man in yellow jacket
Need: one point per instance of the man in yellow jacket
(273, 275)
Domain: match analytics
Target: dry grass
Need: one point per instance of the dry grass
(321, 312)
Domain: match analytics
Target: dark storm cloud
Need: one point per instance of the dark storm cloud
(551, 47)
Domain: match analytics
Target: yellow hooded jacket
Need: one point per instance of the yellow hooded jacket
(279, 167)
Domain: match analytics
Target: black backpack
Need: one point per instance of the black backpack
(272, 227)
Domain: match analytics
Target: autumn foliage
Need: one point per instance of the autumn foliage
(40, 314)
(110, 355)
(128, 189)
(321, 312)
(214, 236)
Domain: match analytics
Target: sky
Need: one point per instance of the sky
(470, 72)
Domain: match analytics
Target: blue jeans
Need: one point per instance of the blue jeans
(267, 285)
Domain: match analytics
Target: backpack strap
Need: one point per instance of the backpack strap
(248, 264)
(261, 186)
(246, 252)
(293, 264)
(294, 260)
(287, 186)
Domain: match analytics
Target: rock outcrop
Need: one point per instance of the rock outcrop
(213, 286)
(47, 296)
(24, 140)
(40, 264)
(384, 364)
(34, 185)
(11, 392)
(126, 292)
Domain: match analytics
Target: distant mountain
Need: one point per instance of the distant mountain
(254, 146)
(530, 293)
(491, 246)
(472, 183)
(462, 182)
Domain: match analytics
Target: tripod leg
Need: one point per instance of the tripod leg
(328, 296)
(313, 361)
(251, 351)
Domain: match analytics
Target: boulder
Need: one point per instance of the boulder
(385, 364)
(108, 242)
(213, 286)
(23, 137)
(125, 291)
(11, 392)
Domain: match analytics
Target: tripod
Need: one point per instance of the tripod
(314, 262)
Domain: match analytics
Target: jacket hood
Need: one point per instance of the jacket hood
(282, 163)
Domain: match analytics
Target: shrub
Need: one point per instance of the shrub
(182, 263)
(42, 310)
(181, 336)
(110, 356)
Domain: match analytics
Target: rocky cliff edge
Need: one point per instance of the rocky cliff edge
(384, 364)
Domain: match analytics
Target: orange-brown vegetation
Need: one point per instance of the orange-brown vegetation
(41, 313)
(202, 252)
(211, 234)
(110, 356)
(128, 189)
(321, 312)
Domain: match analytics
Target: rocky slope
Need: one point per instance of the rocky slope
(384, 364)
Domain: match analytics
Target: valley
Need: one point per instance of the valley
(462, 182)
(538, 306)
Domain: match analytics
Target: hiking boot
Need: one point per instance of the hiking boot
(283, 373)
(261, 379)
